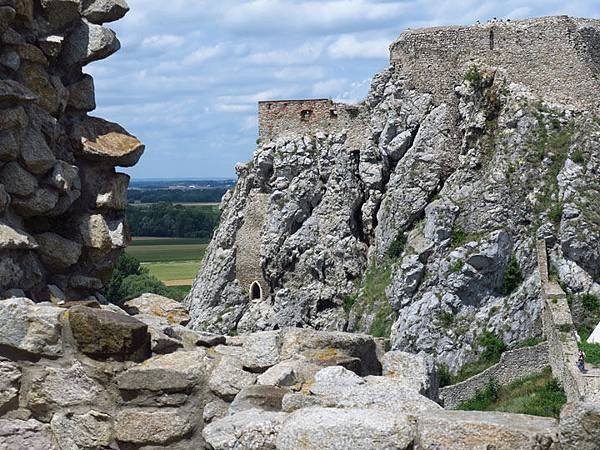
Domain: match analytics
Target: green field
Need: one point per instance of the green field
(181, 270)
(155, 250)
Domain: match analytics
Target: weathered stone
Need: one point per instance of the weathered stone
(10, 59)
(12, 238)
(162, 344)
(4, 199)
(60, 12)
(10, 377)
(140, 426)
(65, 177)
(413, 371)
(7, 13)
(25, 434)
(580, 426)
(13, 118)
(101, 11)
(40, 203)
(465, 430)
(157, 305)
(31, 328)
(57, 296)
(46, 389)
(89, 42)
(43, 86)
(266, 398)
(17, 180)
(228, 378)
(31, 53)
(76, 431)
(95, 232)
(57, 252)
(289, 373)
(339, 388)
(319, 428)
(81, 94)
(14, 92)
(8, 146)
(100, 140)
(51, 45)
(83, 282)
(175, 372)
(215, 410)
(250, 429)
(104, 334)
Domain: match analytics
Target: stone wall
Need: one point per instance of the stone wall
(560, 332)
(62, 221)
(556, 57)
(248, 268)
(513, 365)
(277, 119)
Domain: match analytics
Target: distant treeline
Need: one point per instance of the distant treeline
(207, 195)
(166, 220)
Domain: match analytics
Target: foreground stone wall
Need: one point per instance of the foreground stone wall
(557, 57)
(93, 376)
(62, 221)
(513, 365)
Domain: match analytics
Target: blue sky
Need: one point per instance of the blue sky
(190, 72)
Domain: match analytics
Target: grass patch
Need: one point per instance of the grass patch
(474, 76)
(592, 351)
(457, 266)
(533, 341)
(180, 270)
(397, 246)
(458, 236)
(577, 157)
(493, 347)
(539, 395)
(167, 250)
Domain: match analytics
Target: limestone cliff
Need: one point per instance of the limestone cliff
(62, 222)
(414, 215)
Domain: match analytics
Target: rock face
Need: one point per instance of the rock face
(61, 201)
(414, 215)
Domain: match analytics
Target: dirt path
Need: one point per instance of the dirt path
(178, 282)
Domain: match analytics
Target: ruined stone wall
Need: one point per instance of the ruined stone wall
(62, 221)
(277, 119)
(556, 57)
(513, 365)
(247, 263)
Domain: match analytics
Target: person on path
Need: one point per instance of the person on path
(581, 360)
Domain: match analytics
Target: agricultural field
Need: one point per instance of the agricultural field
(174, 261)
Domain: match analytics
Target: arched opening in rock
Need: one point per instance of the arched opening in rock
(256, 291)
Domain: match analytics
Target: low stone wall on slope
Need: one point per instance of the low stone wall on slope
(62, 221)
(513, 365)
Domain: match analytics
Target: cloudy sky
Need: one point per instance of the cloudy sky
(190, 72)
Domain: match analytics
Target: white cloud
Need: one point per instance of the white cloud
(300, 73)
(304, 54)
(329, 88)
(202, 54)
(163, 41)
(350, 46)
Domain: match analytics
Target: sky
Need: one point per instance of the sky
(190, 72)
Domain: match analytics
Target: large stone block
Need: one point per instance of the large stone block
(12, 238)
(142, 426)
(466, 430)
(331, 428)
(101, 11)
(580, 426)
(25, 434)
(157, 305)
(104, 334)
(57, 252)
(31, 328)
(89, 42)
(17, 180)
(82, 431)
(10, 377)
(413, 371)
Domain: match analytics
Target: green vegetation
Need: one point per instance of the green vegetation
(129, 279)
(493, 347)
(178, 292)
(539, 395)
(458, 236)
(533, 341)
(397, 246)
(474, 76)
(577, 157)
(167, 249)
(185, 270)
(513, 277)
(446, 319)
(166, 220)
(592, 351)
(444, 375)
(457, 266)
(371, 297)
(590, 303)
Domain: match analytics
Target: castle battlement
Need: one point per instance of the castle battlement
(557, 57)
(278, 117)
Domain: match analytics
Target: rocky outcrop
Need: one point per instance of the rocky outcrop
(62, 203)
(416, 218)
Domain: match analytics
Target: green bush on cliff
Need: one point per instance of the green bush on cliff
(513, 277)
(129, 279)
